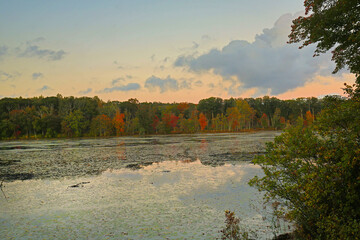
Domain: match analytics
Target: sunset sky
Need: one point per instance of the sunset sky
(168, 51)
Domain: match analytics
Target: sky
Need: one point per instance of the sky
(159, 50)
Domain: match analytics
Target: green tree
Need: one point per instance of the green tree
(246, 113)
(6, 128)
(331, 24)
(18, 122)
(264, 121)
(233, 117)
(132, 126)
(210, 107)
(276, 118)
(146, 114)
(74, 124)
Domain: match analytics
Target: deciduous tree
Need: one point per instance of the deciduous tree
(119, 123)
(202, 121)
(331, 25)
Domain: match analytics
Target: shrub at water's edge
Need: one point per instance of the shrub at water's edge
(315, 171)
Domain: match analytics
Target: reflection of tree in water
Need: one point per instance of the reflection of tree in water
(84, 157)
(121, 150)
(203, 145)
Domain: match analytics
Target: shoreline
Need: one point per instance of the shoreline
(139, 135)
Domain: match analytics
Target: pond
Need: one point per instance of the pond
(156, 187)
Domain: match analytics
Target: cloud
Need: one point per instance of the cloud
(152, 57)
(3, 51)
(122, 67)
(36, 40)
(198, 83)
(117, 80)
(205, 37)
(120, 79)
(89, 90)
(37, 75)
(268, 63)
(184, 60)
(211, 85)
(195, 45)
(124, 88)
(32, 49)
(35, 51)
(5, 76)
(166, 84)
(193, 48)
(45, 88)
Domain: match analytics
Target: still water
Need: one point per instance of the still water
(158, 187)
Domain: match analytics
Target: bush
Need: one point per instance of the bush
(315, 170)
(233, 230)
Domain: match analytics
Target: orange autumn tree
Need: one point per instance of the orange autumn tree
(282, 122)
(119, 123)
(309, 118)
(202, 121)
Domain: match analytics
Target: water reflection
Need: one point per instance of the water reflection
(81, 157)
(121, 150)
(171, 199)
(203, 145)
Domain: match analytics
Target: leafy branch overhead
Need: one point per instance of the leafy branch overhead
(331, 25)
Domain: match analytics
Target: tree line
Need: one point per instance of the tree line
(59, 116)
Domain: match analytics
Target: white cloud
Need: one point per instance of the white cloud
(268, 63)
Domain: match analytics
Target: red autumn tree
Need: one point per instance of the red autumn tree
(173, 121)
(202, 121)
(155, 123)
(182, 107)
(119, 123)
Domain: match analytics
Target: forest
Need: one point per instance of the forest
(58, 116)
